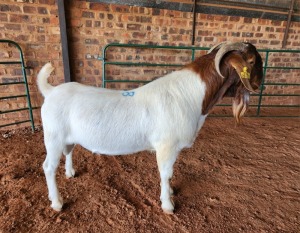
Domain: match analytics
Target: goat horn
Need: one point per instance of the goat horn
(225, 49)
(217, 46)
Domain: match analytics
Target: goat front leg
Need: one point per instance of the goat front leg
(166, 157)
(50, 166)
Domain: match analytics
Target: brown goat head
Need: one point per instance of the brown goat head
(230, 70)
(243, 69)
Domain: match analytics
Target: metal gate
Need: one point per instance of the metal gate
(22, 82)
(278, 65)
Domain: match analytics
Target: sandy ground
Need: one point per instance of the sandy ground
(234, 179)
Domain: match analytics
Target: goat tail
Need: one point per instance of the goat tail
(42, 82)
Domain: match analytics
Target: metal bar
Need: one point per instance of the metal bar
(283, 67)
(279, 50)
(9, 62)
(103, 73)
(14, 110)
(139, 64)
(127, 81)
(275, 95)
(155, 46)
(286, 32)
(280, 106)
(11, 83)
(282, 84)
(194, 22)
(193, 54)
(64, 40)
(262, 83)
(279, 95)
(11, 97)
(15, 123)
(26, 88)
(213, 115)
(265, 106)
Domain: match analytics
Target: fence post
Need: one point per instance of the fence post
(262, 84)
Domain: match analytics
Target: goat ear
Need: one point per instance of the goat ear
(243, 70)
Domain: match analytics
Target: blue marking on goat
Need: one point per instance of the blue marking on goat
(128, 93)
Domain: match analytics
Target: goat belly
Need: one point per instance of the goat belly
(107, 123)
(110, 140)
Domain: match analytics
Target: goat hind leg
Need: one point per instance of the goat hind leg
(50, 166)
(70, 172)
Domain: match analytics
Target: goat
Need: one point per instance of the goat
(164, 115)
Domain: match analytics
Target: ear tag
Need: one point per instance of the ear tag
(245, 73)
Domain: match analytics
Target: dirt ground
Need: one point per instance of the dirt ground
(234, 179)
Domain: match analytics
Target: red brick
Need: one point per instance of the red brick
(223, 18)
(48, 2)
(41, 38)
(4, 54)
(234, 18)
(53, 19)
(275, 42)
(42, 10)
(15, 27)
(259, 34)
(4, 8)
(139, 35)
(24, 38)
(20, 18)
(88, 23)
(88, 14)
(99, 6)
(247, 20)
(156, 11)
(134, 27)
(101, 15)
(3, 17)
(109, 25)
(119, 8)
(110, 16)
(30, 9)
(276, 23)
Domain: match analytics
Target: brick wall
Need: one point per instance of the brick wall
(34, 25)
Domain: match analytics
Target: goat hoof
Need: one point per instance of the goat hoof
(168, 211)
(70, 173)
(57, 206)
(168, 208)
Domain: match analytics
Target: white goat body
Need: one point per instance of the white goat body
(164, 115)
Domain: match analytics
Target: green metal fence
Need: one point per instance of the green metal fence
(23, 82)
(257, 107)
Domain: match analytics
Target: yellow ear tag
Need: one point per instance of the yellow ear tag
(245, 73)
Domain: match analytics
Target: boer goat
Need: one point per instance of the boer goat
(164, 115)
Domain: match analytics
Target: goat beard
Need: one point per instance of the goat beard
(240, 104)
